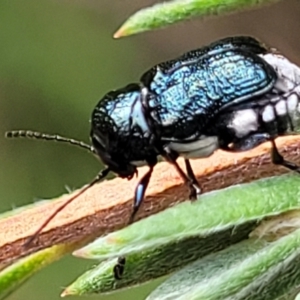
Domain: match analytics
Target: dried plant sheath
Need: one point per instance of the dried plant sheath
(107, 206)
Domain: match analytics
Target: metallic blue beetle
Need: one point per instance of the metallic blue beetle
(233, 95)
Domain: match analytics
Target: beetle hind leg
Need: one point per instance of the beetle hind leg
(192, 177)
(254, 140)
(247, 143)
(278, 159)
(193, 185)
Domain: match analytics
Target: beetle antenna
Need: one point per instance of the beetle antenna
(48, 137)
(98, 178)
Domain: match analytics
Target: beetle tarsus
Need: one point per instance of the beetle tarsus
(193, 193)
(278, 159)
(191, 175)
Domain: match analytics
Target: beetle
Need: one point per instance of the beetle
(233, 94)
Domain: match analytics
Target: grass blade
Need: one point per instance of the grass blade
(167, 13)
(13, 276)
(252, 270)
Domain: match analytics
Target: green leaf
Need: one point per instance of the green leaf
(167, 13)
(165, 242)
(16, 274)
(252, 270)
(145, 265)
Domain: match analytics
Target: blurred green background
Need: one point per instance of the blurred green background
(57, 59)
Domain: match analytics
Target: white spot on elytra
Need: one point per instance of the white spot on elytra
(244, 122)
(268, 114)
(287, 72)
(292, 102)
(280, 108)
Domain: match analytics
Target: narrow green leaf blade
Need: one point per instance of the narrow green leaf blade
(167, 13)
(252, 270)
(154, 262)
(16, 274)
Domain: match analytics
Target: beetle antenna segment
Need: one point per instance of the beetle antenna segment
(99, 177)
(47, 137)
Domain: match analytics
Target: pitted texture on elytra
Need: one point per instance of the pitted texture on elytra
(187, 96)
(241, 42)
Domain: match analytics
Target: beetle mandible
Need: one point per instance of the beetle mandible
(233, 94)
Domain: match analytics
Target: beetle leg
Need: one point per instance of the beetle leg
(247, 143)
(192, 176)
(140, 193)
(194, 188)
(254, 140)
(118, 269)
(278, 159)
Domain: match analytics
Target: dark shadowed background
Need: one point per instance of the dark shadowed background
(57, 59)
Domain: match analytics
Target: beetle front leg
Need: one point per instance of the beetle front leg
(140, 193)
(278, 159)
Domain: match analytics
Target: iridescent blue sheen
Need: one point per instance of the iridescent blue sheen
(190, 92)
